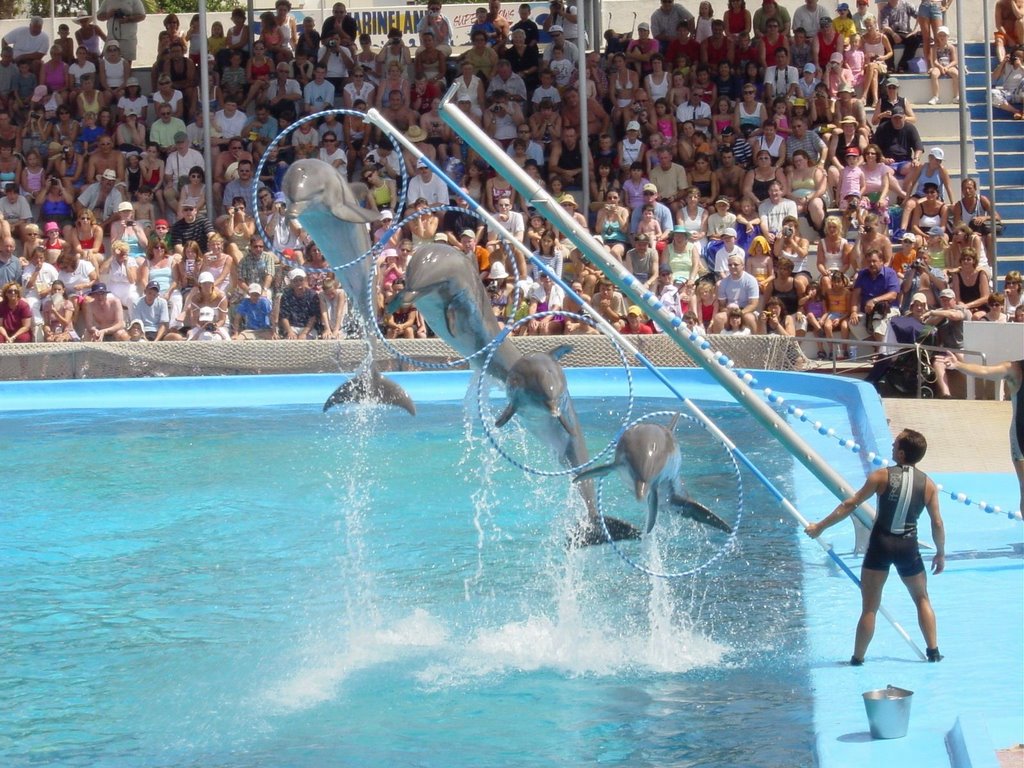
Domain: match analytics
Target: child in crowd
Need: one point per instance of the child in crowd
(810, 315)
(838, 303)
(649, 226)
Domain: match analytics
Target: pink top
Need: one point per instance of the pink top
(849, 182)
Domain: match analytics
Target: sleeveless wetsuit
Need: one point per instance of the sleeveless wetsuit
(893, 538)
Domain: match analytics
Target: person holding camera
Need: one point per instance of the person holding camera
(336, 59)
(435, 22)
(502, 118)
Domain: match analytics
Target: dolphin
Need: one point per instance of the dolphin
(648, 459)
(444, 284)
(539, 396)
(328, 209)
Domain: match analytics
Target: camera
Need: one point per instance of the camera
(210, 328)
(496, 108)
(769, 314)
(130, 223)
(34, 115)
(332, 43)
(787, 231)
(54, 181)
(492, 286)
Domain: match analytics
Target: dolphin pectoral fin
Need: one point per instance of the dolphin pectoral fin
(566, 424)
(594, 472)
(373, 388)
(590, 533)
(460, 306)
(508, 413)
(652, 510)
(697, 511)
(399, 299)
(561, 351)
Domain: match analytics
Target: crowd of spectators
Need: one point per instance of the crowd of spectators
(716, 144)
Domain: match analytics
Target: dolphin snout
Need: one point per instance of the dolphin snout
(641, 490)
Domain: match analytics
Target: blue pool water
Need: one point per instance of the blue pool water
(276, 587)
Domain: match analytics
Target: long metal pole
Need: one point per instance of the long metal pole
(581, 83)
(990, 127)
(965, 117)
(204, 105)
(615, 272)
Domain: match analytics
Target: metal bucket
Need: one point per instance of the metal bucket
(888, 712)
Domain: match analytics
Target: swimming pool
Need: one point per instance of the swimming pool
(266, 585)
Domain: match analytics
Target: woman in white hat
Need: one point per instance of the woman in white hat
(114, 72)
(129, 231)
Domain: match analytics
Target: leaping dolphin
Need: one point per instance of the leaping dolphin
(329, 211)
(539, 396)
(648, 459)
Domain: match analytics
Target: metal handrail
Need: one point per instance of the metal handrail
(894, 345)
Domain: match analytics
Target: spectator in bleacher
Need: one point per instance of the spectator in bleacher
(949, 319)
(342, 23)
(1009, 32)
(900, 143)
(104, 316)
(178, 76)
(931, 172)
(898, 20)
(10, 265)
(774, 210)
(296, 309)
(1008, 77)
(113, 72)
(874, 297)
(930, 214)
(666, 21)
(15, 315)
(180, 161)
(8, 70)
(29, 44)
(105, 158)
(758, 180)
(943, 63)
(807, 141)
(190, 227)
(15, 210)
(102, 197)
(807, 183)
(738, 290)
(284, 94)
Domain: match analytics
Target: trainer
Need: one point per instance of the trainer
(903, 491)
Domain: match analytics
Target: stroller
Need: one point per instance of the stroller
(905, 370)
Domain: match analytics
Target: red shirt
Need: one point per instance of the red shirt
(12, 318)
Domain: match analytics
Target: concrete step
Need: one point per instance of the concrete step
(1005, 177)
(917, 89)
(1006, 147)
(938, 120)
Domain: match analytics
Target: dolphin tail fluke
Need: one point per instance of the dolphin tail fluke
(590, 533)
(373, 388)
(697, 511)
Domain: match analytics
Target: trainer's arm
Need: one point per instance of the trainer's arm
(938, 528)
(874, 484)
(996, 372)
